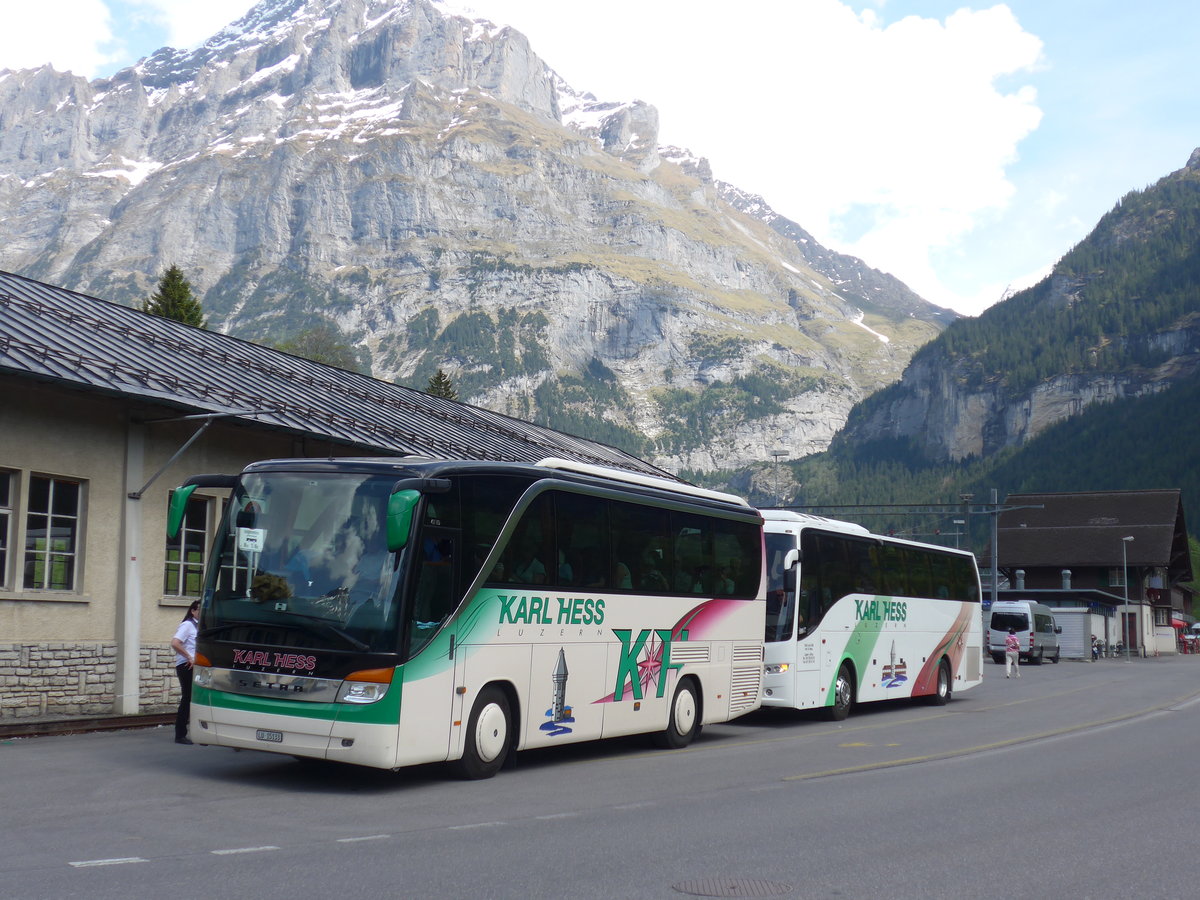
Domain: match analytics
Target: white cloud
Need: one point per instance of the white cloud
(189, 23)
(890, 141)
(69, 34)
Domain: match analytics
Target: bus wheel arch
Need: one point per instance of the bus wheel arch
(490, 736)
(843, 693)
(684, 716)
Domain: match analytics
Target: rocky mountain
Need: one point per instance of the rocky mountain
(1118, 318)
(427, 183)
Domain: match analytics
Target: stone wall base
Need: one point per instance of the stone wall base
(56, 678)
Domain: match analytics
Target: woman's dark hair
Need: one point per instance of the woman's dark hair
(194, 608)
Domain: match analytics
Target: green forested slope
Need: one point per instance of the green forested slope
(1143, 443)
(1135, 275)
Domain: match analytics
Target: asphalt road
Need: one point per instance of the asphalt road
(1074, 780)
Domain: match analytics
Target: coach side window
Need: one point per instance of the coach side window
(529, 556)
(736, 548)
(641, 552)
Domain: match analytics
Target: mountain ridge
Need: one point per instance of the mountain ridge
(1117, 317)
(432, 187)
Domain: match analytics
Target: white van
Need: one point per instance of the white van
(1034, 626)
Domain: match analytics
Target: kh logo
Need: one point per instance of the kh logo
(645, 661)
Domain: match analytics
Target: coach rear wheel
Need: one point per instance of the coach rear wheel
(941, 696)
(684, 722)
(488, 735)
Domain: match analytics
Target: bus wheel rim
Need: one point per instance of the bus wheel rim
(491, 733)
(685, 711)
(842, 691)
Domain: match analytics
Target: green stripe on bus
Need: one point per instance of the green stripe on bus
(860, 649)
(385, 712)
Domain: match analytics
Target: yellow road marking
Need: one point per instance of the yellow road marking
(980, 748)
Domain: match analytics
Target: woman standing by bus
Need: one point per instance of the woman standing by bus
(184, 645)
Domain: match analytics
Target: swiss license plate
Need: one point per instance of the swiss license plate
(275, 737)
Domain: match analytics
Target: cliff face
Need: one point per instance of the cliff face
(1118, 318)
(428, 184)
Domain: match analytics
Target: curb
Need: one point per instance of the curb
(43, 727)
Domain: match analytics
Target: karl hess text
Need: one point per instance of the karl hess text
(274, 660)
(524, 610)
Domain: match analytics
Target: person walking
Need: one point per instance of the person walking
(1012, 654)
(184, 645)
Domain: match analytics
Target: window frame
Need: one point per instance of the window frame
(177, 545)
(30, 557)
(9, 508)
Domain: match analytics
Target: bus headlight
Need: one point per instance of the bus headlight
(361, 692)
(365, 686)
(776, 668)
(202, 676)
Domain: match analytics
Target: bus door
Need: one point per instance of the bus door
(808, 657)
(429, 704)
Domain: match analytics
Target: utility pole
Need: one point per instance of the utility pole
(777, 454)
(992, 509)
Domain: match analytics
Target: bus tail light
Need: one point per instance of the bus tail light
(776, 668)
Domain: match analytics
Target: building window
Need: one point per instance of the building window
(6, 523)
(52, 533)
(1116, 577)
(1162, 616)
(185, 558)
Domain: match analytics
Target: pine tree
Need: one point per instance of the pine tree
(441, 386)
(174, 300)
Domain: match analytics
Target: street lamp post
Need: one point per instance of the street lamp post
(958, 523)
(1125, 579)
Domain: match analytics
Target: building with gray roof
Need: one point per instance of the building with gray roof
(103, 409)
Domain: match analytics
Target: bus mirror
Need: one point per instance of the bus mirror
(179, 501)
(401, 506)
(790, 559)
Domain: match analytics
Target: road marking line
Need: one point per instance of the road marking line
(230, 852)
(564, 815)
(368, 837)
(117, 861)
(967, 751)
(476, 825)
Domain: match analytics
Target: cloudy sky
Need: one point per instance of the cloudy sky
(963, 148)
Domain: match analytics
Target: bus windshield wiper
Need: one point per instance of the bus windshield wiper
(332, 629)
(229, 626)
(314, 620)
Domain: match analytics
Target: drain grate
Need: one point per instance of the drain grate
(733, 887)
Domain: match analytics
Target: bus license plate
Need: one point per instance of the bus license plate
(275, 737)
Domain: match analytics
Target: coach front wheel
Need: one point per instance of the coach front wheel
(488, 737)
(843, 695)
